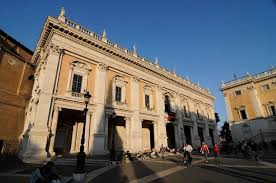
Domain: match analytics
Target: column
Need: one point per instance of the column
(179, 119)
(127, 135)
(256, 101)
(155, 133)
(228, 107)
(176, 135)
(36, 140)
(196, 138)
(207, 133)
(99, 115)
(106, 132)
(74, 137)
(160, 110)
(135, 121)
(87, 132)
(54, 130)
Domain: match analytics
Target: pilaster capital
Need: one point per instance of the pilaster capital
(135, 79)
(55, 49)
(251, 87)
(58, 108)
(103, 67)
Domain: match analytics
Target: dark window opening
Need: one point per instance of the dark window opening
(118, 96)
(77, 82)
(167, 104)
(147, 101)
(185, 111)
(243, 114)
(272, 110)
(238, 92)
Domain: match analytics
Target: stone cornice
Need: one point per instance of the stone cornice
(92, 40)
(271, 73)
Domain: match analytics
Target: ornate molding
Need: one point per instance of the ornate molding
(135, 79)
(54, 49)
(103, 67)
(120, 79)
(80, 65)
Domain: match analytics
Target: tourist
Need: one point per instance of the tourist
(205, 151)
(188, 151)
(216, 152)
(45, 174)
(162, 151)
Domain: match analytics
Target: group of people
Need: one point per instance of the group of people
(204, 149)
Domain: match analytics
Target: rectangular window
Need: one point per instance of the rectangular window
(77, 82)
(185, 111)
(198, 115)
(118, 96)
(272, 110)
(147, 101)
(238, 93)
(265, 87)
(243, 114)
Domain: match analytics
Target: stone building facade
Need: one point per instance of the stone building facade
(251, 106)
(136, 104)
(15, 91)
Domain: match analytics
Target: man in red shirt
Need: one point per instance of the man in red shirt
(205, 150)
(216, 152)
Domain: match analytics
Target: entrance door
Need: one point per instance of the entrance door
(170, 135)
(116, 133)
(201, 136)
(187, 131)
(212, 136)
(63, 140)
(148, 135)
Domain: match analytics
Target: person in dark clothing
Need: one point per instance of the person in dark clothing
(45, 174)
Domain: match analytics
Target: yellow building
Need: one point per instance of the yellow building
(136, 104)
(251, 106)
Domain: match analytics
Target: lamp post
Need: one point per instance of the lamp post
(182, 136)
(112, 151)
(81, 155)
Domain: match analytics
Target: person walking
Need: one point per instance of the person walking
(217, 152)
(162, 151)
(205, 151)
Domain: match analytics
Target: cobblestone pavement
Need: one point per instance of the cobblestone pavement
(160, 170)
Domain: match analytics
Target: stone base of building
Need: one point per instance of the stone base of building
(259, 130)
(33, 146)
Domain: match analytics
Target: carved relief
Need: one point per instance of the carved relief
(54, 49)
(135, 79)
(103, 67)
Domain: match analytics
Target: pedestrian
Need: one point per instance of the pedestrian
(188, 150)
(205, 151)
(162, 151)
(217, 152)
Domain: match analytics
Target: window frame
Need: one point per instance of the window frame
(265, 90)
(241, 115)
(235, 92)
(77, 82)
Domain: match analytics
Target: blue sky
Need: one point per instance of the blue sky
(207, 40)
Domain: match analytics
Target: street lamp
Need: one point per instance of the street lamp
(112, 150)
(81, 155)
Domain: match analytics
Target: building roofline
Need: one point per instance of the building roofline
(16, 42)
(248, 78)
(65, 23)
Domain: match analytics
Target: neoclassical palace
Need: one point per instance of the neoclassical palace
(136, 104)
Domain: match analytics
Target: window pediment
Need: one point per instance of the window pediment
(80, 65)
(120, 79)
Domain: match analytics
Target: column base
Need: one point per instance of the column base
(33, 146)
(197, 142)
(79, 177)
